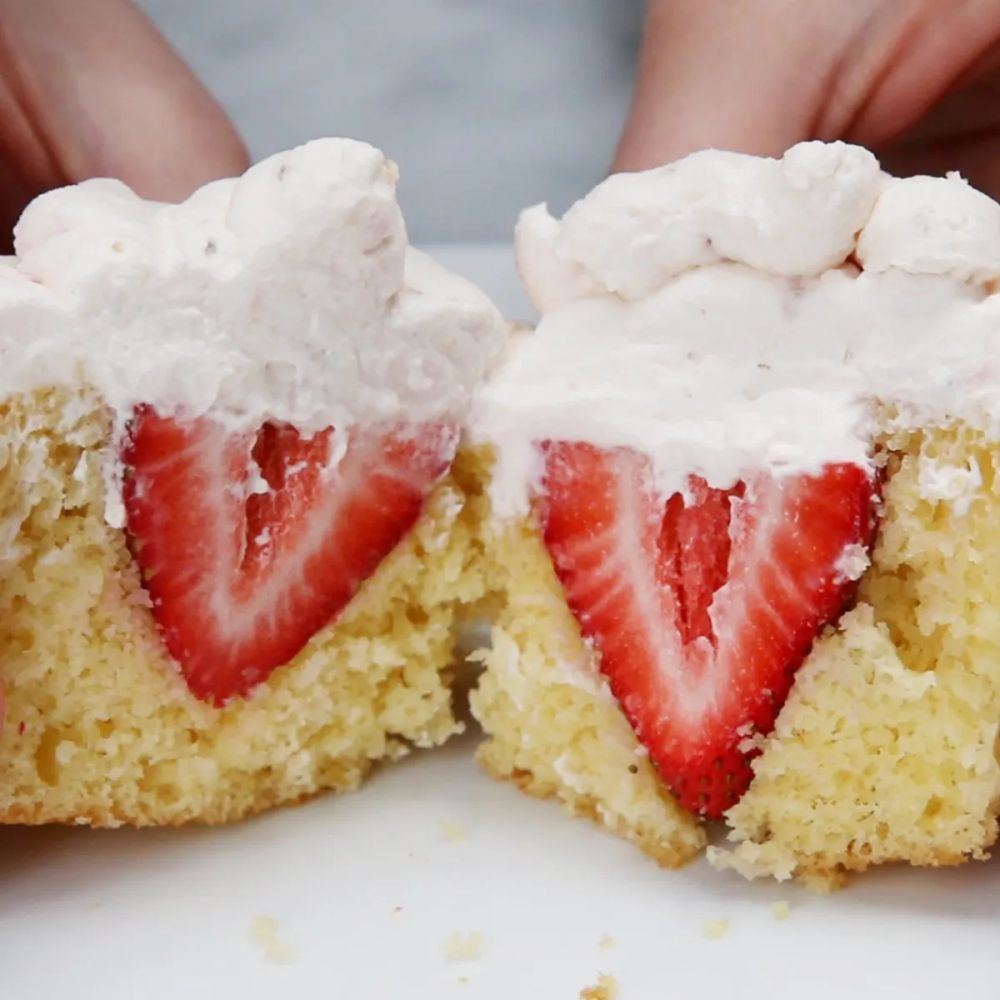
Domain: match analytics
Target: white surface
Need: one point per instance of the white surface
(168, 914)
(366, 889)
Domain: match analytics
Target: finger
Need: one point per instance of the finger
(90, 88)
(961, 131)
(747, 76)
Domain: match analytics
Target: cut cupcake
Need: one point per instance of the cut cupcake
(233, 552)
(737, 496)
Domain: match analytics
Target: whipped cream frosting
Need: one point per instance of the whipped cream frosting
(727, 313)
(286, 294)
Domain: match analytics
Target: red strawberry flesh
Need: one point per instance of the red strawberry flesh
(701, 609)
(250, 543)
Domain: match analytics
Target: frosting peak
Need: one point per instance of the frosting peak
(933, 225)
(797, 216)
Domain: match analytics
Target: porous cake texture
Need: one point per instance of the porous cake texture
(886, 749)
(100, 727)
(552, 724)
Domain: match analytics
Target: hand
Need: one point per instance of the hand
(89, 88)
(917, 81)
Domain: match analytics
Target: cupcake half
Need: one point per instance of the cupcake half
(231, 552)
(740, 511)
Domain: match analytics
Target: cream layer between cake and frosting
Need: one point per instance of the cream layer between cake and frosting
(728, 313)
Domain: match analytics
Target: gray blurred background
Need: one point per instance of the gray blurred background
(487, 105)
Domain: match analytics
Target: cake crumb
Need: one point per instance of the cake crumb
(461, 947)
(715, 929)
(607, 942)
(264, 932)
(823, 882)
(462, 980)
(452, 831)
(781, 910)
(606, 988)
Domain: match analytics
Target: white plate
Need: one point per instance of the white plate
(364, 890)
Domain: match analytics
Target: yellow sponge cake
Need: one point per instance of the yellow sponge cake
(886, 748)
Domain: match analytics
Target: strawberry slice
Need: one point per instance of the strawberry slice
(250, 543)
(702, 609)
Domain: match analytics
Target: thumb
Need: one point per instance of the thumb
(749, 76)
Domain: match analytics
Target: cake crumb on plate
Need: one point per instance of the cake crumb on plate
(606, 942)
(781, 910)
(460, 947)
(264, 932)
(606, 988)
(715, 929)
(452, 831)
